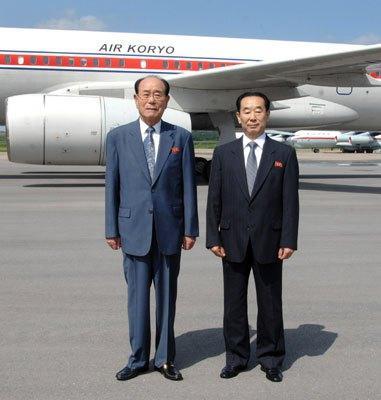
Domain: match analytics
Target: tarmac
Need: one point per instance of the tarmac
(64, 331)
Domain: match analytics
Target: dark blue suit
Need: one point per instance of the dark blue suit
(252, 227)
(151, 218)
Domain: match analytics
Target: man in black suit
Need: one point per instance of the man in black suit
(252, 223)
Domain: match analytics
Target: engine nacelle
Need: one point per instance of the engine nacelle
(68, 130)
(362, 139)
(308, 112)
(343, 137)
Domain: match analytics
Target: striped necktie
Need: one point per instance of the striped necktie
(149, 149)
(251, 167)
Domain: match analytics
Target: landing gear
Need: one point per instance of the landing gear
(208, 168)
(225, 124)
(200, 165)
(315, 150)
(203, 167)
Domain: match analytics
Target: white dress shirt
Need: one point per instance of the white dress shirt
(260, 141)
(155, 135)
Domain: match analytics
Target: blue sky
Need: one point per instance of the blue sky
(325, 21)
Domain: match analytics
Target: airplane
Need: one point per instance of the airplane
(347, 142)
(61, 92)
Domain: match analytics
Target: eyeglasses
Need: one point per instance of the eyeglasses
(156, 95)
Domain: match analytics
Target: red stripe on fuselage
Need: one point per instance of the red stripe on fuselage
(315, 137)
(107, 63)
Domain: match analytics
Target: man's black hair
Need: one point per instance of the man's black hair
(253, 94)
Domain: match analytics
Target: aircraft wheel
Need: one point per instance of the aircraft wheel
(200, 165)
(207, 170)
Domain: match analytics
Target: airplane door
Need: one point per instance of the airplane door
(344, 90)
(73, 130)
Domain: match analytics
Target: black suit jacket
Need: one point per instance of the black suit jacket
(269, 216)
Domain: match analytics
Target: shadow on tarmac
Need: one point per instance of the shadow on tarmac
(306, 340)
(94, 175)
(63, 173)
(90, 175)
(65, 185)
(323, 187)
(327, 187)
(339, 176)
(56, 175)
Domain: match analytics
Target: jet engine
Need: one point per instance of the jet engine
(68, 129)
(309, 112)
(362, 139)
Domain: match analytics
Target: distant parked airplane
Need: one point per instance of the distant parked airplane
(351, 141)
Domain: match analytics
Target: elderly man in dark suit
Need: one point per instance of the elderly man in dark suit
(252, 224)
(151, 213)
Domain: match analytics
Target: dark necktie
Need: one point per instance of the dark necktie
(149, 149)
(251, 167)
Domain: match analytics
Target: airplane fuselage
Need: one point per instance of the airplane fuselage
(33, 61)
(61, 92)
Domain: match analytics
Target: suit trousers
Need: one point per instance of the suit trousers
(270, 333)
(139, 272)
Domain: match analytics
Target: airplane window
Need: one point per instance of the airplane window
(83, 62)
(7, 59)
(58, 60)
(199, 65)
(223, 65)
(212, 65)
(122, 63)
(95, 62)
(189, 65)
(45, 60)
(143, 64)
(107, 62)
(33, 60)
(177, 64)
(165, 64)
(71, 61)
(20, 60)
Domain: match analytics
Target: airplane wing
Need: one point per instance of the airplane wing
(346, 68)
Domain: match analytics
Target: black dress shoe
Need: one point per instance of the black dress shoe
(273, 374)
(128, 373)
(169, 371)
(230, 371)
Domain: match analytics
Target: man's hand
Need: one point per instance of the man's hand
(218, 251)
(114, 243)
(284, 253)
(188, 242)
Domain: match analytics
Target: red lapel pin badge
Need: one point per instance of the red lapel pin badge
(278, 164)
(175, 150)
